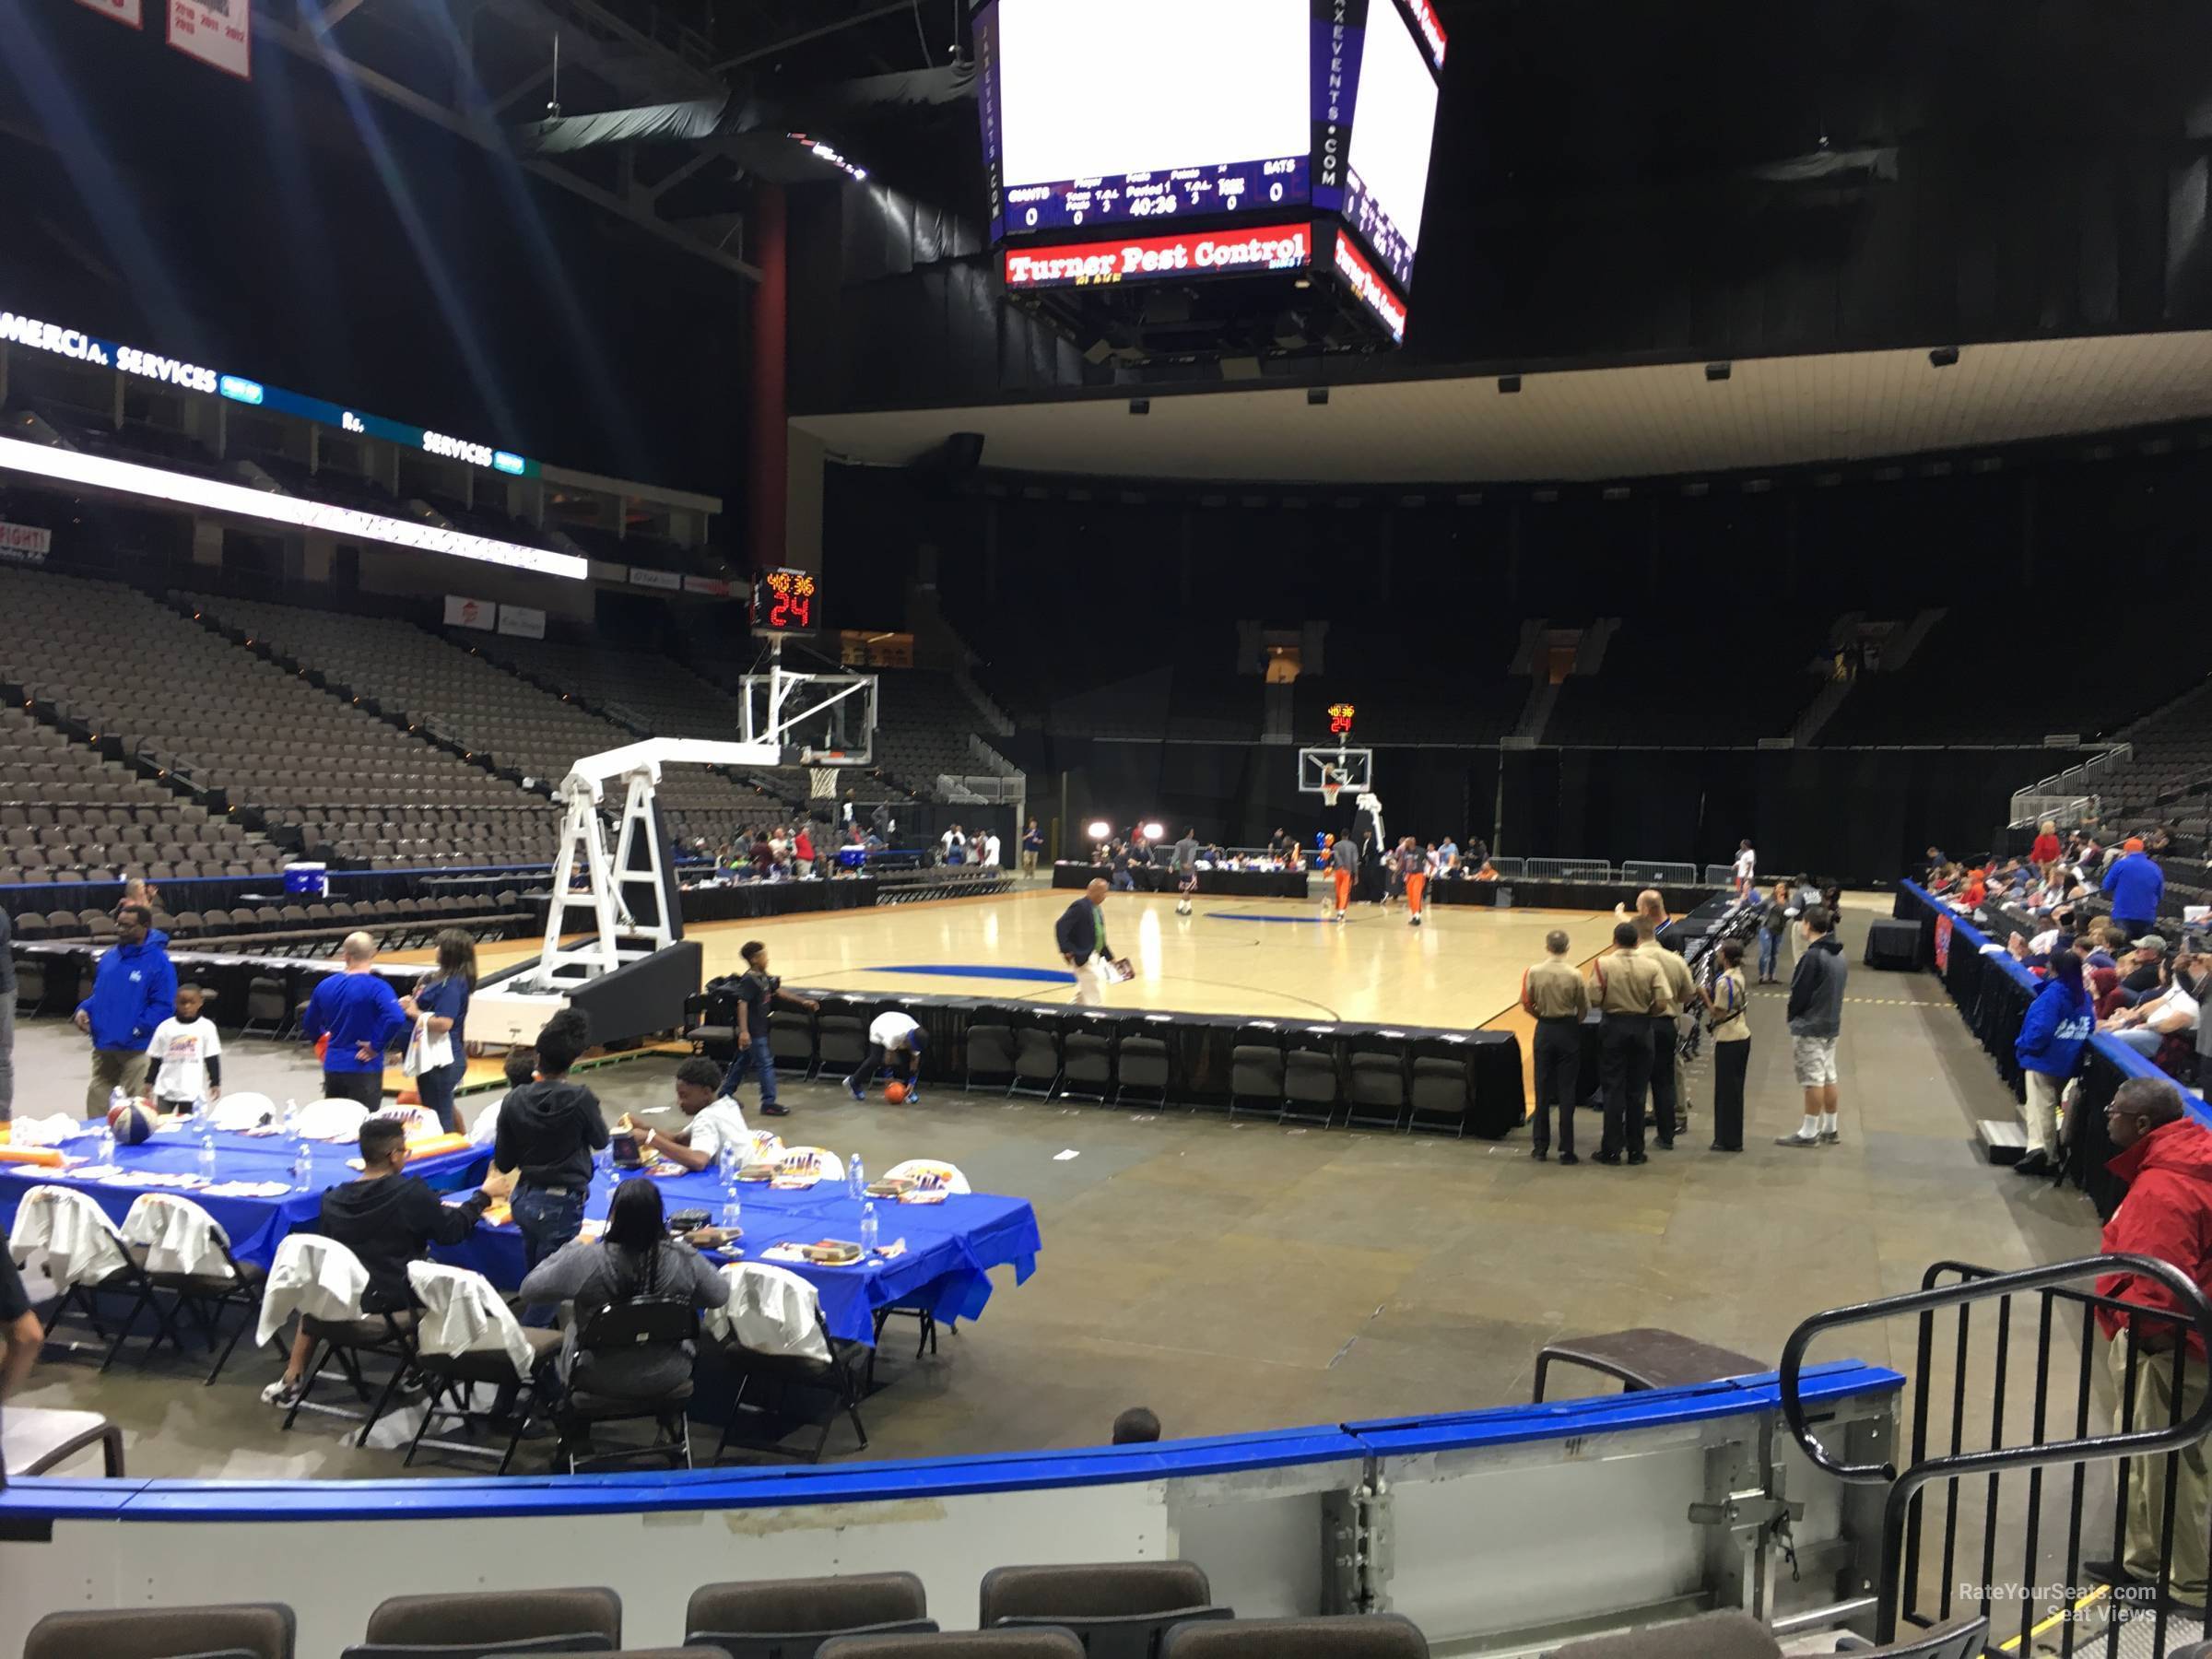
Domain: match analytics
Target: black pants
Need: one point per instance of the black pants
(366, 1086)
(1624, 1057)
(1559, 1063)
(1663, 1096)
(1730, 1062)
(877, 1058)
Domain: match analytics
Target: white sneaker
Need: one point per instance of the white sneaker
(281, 1394)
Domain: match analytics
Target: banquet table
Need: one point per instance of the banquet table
(255, 1224)
(949, 1246)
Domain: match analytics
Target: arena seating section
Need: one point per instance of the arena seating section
(499, 718)
(67, 814)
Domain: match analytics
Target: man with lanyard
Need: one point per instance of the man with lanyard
(1080, 935)
(1186, 870)
(759, 992)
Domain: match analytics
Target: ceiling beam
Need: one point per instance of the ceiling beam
(322, 51)
(812, 34)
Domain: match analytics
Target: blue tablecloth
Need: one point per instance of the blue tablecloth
(949, 1246)
(255, 1226)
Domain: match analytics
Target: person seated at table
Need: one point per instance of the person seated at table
(634, 1258)
(1488, 872)
(714, 1121)
(520, 1068)
(387, 1218)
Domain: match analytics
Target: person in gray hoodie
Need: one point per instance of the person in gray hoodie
(1816, 1019)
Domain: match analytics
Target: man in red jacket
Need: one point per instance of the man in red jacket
(2166, 1158)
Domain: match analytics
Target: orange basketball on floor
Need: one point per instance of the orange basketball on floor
(895, 1093)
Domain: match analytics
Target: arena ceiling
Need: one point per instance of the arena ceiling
(1580, 425)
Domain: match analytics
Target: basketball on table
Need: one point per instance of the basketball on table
(895, 1094)
(133, 1123)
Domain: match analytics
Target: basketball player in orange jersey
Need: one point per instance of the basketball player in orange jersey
(1344, 857)
(1412, 870)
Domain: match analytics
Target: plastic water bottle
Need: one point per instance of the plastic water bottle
(116, 1098)
(207, 1149)
(730, 1211)
(867, 1229)
(857, 1178)
(304, 1165)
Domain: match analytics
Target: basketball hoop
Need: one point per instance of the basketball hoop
(821, 782)
(1330, 788)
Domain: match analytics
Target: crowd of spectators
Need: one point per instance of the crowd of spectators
(1377, 878)
(2098, 903)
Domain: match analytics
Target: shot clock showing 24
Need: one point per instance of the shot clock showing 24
(783, 601)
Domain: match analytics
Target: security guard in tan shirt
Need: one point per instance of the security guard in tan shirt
(1629, 993)
(1557, 997)
(1681, 993)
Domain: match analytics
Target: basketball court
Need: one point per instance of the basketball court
(1274, 958)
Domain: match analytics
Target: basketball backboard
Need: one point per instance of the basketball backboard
(1350, 768)
(817, 719)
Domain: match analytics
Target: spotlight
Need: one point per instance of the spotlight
(1316, 396)
(1098, 829)
(1508, 383)
(1943, 357)
(1140, 406)
(1718, 371)
(1154, 830)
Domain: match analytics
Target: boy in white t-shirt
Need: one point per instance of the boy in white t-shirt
(717, 1120)
(185, 1056)
(894, 1040)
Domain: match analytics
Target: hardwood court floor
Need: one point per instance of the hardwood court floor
(1272, 959)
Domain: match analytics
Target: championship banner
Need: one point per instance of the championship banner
(24, 544)
(216, 31)
(1943, 943)
(522, 621)
(123, 11)
(469, 613)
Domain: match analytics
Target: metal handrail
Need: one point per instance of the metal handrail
(1905, 1485)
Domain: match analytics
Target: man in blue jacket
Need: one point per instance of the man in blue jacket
(133, 990)
(2134, 884)
(2048, 1047)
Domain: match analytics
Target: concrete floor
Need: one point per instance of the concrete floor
(1244, 1276)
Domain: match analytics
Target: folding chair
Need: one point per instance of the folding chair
(625, 1327)
(927, 1173)
(322, 1281)
(772, 1327)
(185, 1252)
(466, 1334)
(63, 1233)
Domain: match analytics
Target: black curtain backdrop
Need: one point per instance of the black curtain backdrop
(1850, 815)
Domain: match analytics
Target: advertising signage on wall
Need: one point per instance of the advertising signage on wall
(37, 334)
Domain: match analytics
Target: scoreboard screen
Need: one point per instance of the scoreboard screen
(1393, 127)
(1103, 111)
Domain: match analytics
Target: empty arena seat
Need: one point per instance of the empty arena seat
(764, 1619)
(842, 1040)
(1439, 1090)
(474, 1622)
(259, 1630)
(1348, 1635)
(960, 1644)
(1140, 1062)
(990, 1045)
(1117, 1609)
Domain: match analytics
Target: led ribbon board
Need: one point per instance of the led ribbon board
(188, 489)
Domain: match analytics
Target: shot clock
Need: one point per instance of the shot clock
(1340, 718)
(783, 601)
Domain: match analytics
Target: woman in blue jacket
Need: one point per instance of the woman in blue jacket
(2048, 1047)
